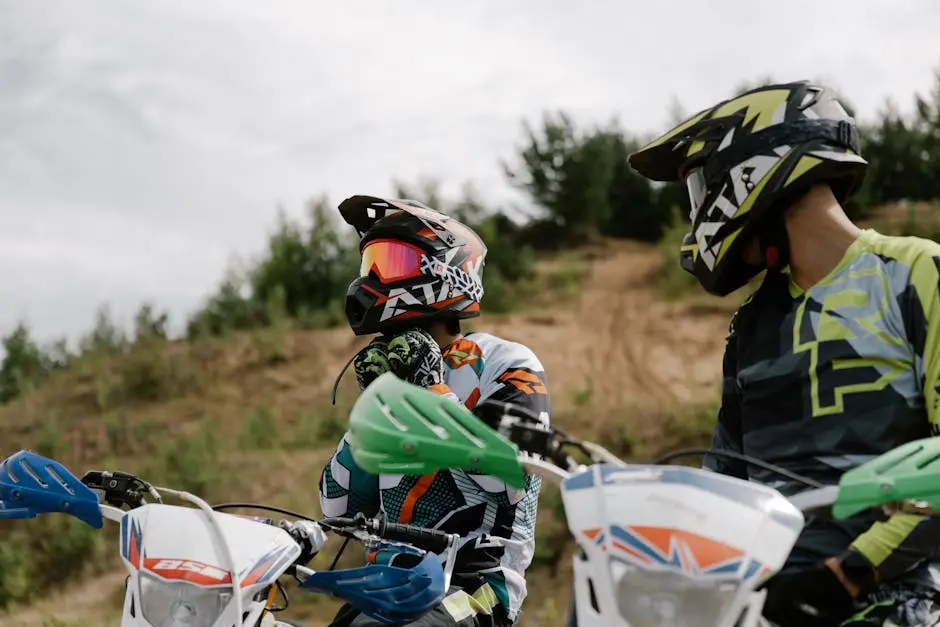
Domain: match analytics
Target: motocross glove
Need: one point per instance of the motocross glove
(415, 357)
(371, 362)
(811, 596)
(308, 534)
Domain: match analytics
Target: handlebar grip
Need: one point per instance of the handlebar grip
(426, 539)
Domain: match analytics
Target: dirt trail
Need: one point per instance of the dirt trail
(621, 341)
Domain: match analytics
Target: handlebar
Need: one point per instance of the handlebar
(427, 539)
(431, 540)
(820, 499)
(124, 489)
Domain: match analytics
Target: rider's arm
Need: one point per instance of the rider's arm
(345, 488)
(517, 377)
(727, 435)
(904, 540)
(513, 374)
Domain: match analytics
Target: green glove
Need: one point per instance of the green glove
(371, 362)
(415, 357)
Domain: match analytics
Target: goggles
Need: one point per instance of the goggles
(391, 260)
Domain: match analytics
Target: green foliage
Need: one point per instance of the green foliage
(673, 280)
(568, 174)
(129, 436)
(566, 279)
(15, 569)
(230, 308)
(312, 265)
(23, 366)
(57, 549)
(305, 270)
(150, 324)
(106, 338)
(585, 185)
(270, 342)
(910, 219)
(259, 430)
(636, 208)
(150, 373)
(904, 152)
(191, 462)
(926, 225)
(51, 441)
(552, 538)
(320, 428)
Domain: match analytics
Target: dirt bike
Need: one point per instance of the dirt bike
(201, 567)
(656, 545)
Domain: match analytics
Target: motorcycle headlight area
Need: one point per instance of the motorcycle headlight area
(653, 598)
(180, 604)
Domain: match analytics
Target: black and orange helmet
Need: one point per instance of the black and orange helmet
(417, 265)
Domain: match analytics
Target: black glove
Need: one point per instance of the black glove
(371, 362)
(415, 357)
(807, 597)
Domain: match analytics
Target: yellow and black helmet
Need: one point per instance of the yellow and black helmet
(744, 161)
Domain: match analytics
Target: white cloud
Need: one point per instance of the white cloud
(143, 142)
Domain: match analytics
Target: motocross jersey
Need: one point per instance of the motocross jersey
(496, 522)
(820, 381)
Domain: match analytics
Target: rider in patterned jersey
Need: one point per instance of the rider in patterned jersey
(834, 359)
(421, 274)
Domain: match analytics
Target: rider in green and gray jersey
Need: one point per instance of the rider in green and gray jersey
(834, 359)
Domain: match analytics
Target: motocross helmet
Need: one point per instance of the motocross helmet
(744, 162)
(417, 265)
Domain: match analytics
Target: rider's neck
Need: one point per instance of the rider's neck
(441, 335)
(819, 234)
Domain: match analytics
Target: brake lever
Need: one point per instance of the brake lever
(119, 488)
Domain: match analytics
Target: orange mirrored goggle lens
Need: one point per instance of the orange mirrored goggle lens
(390, 260)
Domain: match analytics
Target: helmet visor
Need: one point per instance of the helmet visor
(390, 260)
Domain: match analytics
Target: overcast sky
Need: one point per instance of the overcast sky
(142, 143)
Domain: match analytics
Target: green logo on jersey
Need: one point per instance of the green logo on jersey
(844, 309)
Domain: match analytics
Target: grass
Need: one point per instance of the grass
(568, 277)
(908, 219)
(672, 280)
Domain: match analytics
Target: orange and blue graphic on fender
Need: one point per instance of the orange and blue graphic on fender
(684, 550)
(266, 566)
(596, 536)
(131, 542)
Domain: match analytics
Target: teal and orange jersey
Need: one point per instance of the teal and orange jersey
(822, 380)
(495, 521)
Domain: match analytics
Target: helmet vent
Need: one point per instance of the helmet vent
(810, 97)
